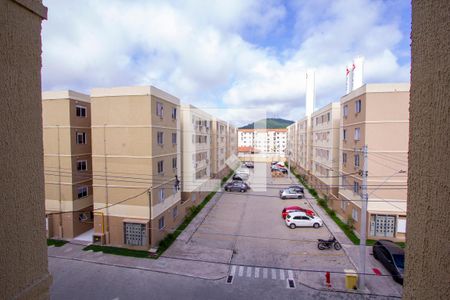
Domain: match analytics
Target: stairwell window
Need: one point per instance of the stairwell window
(81, 165)
(82, 192)
(81, 138)
(357, 134)
(358, 106)
(81, 111)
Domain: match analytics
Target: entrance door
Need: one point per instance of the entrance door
(384, 225)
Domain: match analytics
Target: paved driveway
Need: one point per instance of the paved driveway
(250, 224)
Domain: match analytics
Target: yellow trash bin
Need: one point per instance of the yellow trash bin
(351, 279)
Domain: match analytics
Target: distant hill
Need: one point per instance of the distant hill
(270, 123)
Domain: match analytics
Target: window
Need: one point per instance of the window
(344, 134)
(161, 195)
(159, 109)
(345, 111)
(357, 134)
(81, 137)
(134, 234)
(175, 212)
(174, 163)
(82, 192)
(174, 138)
(161, 223)
(358, 106)
(160, 137)
(160, 167)
(174, 113)
(194, 197)
(356, 160)
(81, 165)
(355, 187)
(328, 117)
(317, 120)
(81, 111)
(344, 158)
(355, 214)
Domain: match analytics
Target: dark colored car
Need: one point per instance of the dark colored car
(237, 178)
(296, 188)
(282, 170)
(391, 256)
(236, 186)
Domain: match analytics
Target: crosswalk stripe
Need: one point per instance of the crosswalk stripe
(256, 272)
(281, 274)
(241, 271)
(274, 274)
(290, 274)
(265, 273)
(233, 270)
(249, 271)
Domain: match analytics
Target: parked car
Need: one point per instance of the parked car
(290, 209)
(282, 170)
(391, 256)
(237, 178)
(301, 219)
(291, 194)
(249, 165)
(297, 188)
(242, 175)
(236, 186)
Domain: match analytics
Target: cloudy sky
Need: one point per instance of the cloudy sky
(225, 53)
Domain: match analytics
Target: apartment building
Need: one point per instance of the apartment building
(325, 149)
(218, 148)
(67, 145)
(136, 158)
(196, 156)
(232, 141)
(375, 115)
(301, 153)
(264, 140)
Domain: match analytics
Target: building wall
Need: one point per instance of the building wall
(61, 154)
(427, 259)
(24, 274)
(126, 154)
(385, 131)
(264, 140)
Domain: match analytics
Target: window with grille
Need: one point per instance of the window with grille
(81, 165)
(82, 192)
(81, 137)
(134, 234)
(81, 111)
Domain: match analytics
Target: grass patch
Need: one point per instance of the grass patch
(118, 251)
(344, 226)
(56, 243)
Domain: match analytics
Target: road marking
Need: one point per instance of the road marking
(233, 270)
(274, 274)
(290, 274)
(241, 271)
(256, 272)
(281, 274)
(265, 273)
(249, 272)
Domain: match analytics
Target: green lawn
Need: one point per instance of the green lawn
(56, 243)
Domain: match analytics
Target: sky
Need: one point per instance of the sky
(231, 55)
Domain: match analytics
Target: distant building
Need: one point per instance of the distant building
(267, 141)
(67, 163)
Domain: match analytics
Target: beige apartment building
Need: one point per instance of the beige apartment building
(67, 163)
(218, 148)
(232, 141)
(301, 152)
(135, 165)
(325, 149)
(375, 115)
(196, 133)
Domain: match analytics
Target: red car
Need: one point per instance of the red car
(289, 209)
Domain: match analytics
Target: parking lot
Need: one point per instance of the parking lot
(250, 224)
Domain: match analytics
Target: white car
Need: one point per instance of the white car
(301, 219)
(291, 193)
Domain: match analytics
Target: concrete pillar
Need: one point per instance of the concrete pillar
(23, 251)
(310, 92)
(428, 227)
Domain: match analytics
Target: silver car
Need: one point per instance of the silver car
(291, 194)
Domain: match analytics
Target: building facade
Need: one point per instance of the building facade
(196, 156)
(136, 160)
(67, 163)
(325, 149)
(266, 141)
(375, 115)
(219, 148)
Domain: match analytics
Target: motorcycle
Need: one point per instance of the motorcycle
(327, 244)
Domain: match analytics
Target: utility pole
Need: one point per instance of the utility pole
(363, 229)
(59, 185)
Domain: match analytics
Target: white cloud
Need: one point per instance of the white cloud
(196, 50)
